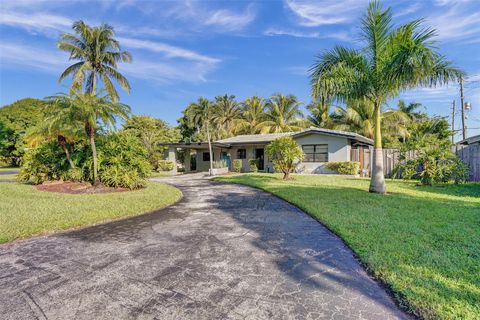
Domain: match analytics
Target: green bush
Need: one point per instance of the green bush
(284, 152)
(164, 165)
(253, 165)
(123, 161)
(237, 165)
(44, 163)
(344, 167)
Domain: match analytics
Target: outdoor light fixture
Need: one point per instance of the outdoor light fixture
(468, 106)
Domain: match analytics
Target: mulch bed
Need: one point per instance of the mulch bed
(76, 187)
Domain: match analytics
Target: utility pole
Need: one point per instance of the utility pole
(464, 127)
(453, 122)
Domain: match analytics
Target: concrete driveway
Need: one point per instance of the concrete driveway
(222, 252)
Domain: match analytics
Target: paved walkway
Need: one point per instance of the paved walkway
(223, 252)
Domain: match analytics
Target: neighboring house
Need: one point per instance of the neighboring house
(470, 141)
(319, 145)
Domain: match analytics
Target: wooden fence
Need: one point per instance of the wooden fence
(391, 157)
(471, 156)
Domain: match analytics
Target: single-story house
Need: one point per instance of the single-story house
(319, 145)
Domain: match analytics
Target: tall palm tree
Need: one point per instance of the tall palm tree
(282, 114)
(410, 110)
(226, 115)
(201, 114)
(393, 60)
(253, 115)
(97, 52)
(92, 111)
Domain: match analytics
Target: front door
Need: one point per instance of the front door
(193, 162)
(260, 156)
(225, 157)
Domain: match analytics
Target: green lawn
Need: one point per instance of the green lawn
(25, 211)
(424, 242)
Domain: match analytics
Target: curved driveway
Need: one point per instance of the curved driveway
(223, 252)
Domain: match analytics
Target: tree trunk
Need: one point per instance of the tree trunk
(377, 181)
(210, 149)
(91, 134)
(63, 143)
(286, 175)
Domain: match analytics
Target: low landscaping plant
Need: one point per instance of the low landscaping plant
(237, 165)
(344, 167)
(219, 164)
(253, 165)
(164, 165)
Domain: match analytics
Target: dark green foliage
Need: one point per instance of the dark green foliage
(123, 161)
(165, 165)
(15, 120)
(253, 165)
(344, 167)
(237, 165)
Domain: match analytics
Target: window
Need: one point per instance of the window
(242, 154)
(315, 153)
(206, 156)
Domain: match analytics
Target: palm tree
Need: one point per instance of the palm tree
(320, 114)
(253, 115)
(201, 114)
(65, 133)
(359, 117)
(410, 110)
(282, 114)
(393, 60)
(91, 110)
(226, 115)
(97, 53)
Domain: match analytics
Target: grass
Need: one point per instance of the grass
(25, 211)
(423, 242)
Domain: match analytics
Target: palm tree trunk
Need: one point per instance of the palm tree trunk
(377, 182)
(210, 149)
(63, 143)
(91, 134)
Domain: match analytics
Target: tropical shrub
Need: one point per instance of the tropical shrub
(44, 163)
(164, 165)
(344, 167)
(253, 165)
(284, 152)
(123, 161)
(219, 164)
(237, 165)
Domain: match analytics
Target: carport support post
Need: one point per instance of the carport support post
(172, 156)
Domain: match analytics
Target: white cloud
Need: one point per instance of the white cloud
(230, 20)
(36, 23)
(343, 36)
(408, 10)
(316, 13)
(457, 23)
(54, 61)
(168, 50)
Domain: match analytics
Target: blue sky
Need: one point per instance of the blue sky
(183, 50)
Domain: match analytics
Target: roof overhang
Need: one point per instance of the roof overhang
(471, 140)
(353, 137)
(195, 145)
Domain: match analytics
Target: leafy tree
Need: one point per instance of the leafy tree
(253, 115)
(90, 110)
(284, 152)
(393, 60)
(226, 115)
(151, 132)
(282, 114)
(97, 52)
(15, 120)
(201, 115)
(410, 110)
